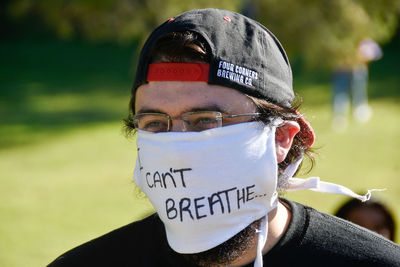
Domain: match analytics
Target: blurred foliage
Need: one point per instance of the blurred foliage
(327, 32)
(121, 20)
(323, 32)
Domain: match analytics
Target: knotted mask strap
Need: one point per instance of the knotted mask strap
(315, 184)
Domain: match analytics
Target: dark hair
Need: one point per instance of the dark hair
(348, 207)
(185, 47)
(299, 146)
(182, 47)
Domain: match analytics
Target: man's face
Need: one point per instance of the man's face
(175, 98)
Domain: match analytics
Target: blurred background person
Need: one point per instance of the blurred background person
(372, 214)
(351, 81)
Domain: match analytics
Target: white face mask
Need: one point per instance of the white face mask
(208, 186)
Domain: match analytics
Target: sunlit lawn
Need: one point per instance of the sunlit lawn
(66, 167)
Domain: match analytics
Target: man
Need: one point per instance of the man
(218, 136)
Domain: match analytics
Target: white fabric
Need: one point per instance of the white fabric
(208, 186)
(315, 184)
(196, 181)
(261, 240)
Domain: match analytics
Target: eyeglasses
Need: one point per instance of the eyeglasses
(196, 121)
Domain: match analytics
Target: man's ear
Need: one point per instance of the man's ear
(284, 136)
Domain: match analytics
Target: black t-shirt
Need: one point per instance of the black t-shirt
(312, 239)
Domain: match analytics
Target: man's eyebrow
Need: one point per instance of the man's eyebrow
(208, 108)
(149, 110)
(203, 108)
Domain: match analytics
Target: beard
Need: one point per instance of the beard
(228, 251)
(238, 245)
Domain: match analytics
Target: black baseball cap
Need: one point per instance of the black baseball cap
(243, 54)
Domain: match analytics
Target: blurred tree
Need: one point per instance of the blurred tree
(120, 20)
(324, 32)
(327, 32)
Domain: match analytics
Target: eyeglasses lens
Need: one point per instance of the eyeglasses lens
(200, 121)
(152, 122)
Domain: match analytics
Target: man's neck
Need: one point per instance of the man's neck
(278, 222)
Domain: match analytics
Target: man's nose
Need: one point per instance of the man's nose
(177, 125)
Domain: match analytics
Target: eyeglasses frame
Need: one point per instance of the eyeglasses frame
(170, 119)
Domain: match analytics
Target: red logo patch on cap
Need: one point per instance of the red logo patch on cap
(178, 72)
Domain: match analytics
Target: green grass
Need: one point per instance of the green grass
(61, 192)
(49, 87)
(66, 168)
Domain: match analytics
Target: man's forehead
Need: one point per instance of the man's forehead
(189, 95)
(187, 89)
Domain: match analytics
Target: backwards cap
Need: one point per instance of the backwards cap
(243, 54)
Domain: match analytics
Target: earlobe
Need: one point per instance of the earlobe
(284, 136)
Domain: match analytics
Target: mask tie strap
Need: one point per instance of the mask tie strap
(261, 240)
(314, 184)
